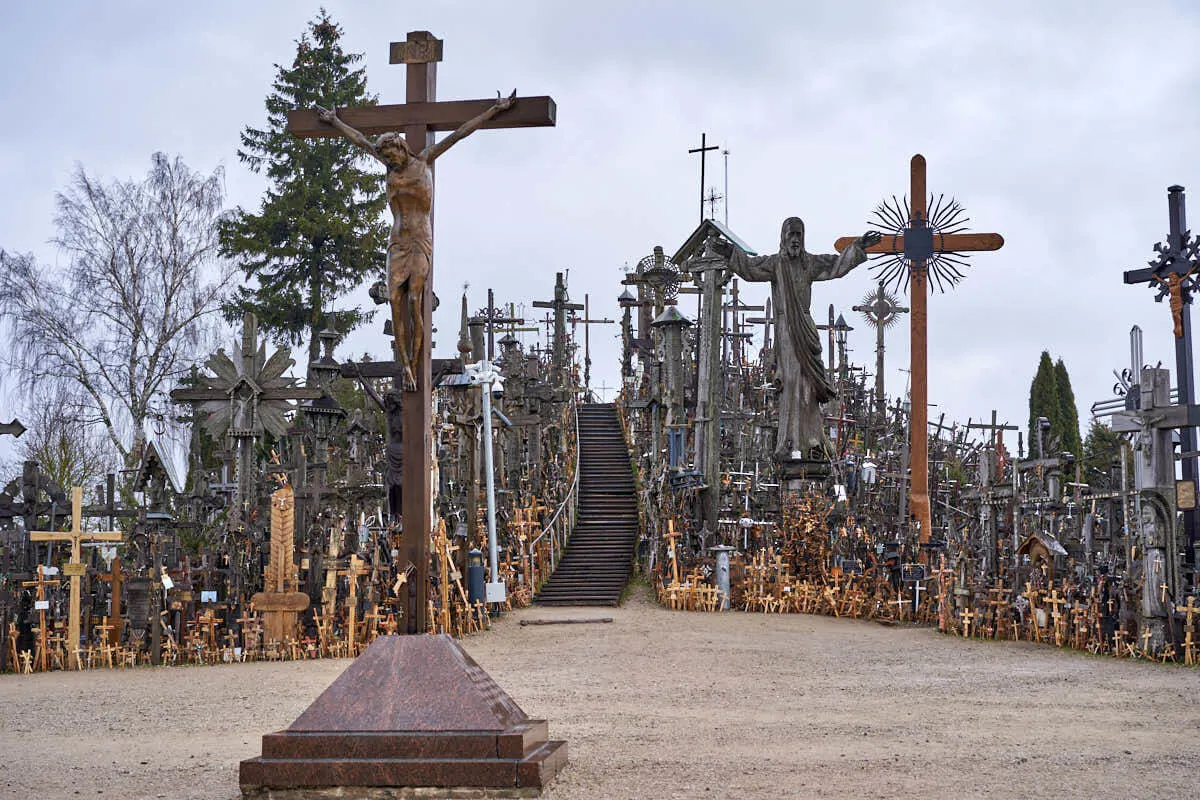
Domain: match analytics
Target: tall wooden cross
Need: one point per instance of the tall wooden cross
(918, 243)
(75, 569)
(419, 118)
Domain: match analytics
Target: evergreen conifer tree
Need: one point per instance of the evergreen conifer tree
(1068, 414)
(1043, 402)
(318, 233)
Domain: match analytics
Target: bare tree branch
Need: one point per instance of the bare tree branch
(134, 306)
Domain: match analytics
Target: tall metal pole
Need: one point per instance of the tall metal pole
(725, 154)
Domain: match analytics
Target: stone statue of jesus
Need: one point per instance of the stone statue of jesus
(410, 246)
(801, 372)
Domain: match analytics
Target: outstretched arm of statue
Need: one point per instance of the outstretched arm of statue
(751, 268)
(329, 115)
(837, 266)
(470, 126)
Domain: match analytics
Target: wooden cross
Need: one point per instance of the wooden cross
(918, 244)
(419, 118)
(967, 616)
(75, 569)
(43, 644)
(115, 580)
(1191, 609)
(672, 554)
(356, 569)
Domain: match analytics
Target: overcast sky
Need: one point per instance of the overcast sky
(1058, 125)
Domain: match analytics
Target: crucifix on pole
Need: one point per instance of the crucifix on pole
(409, 159)
(1173, 273)
(923, 243)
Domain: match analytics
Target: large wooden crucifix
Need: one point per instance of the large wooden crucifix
(918, 244)
(75, 568)
(418, 119)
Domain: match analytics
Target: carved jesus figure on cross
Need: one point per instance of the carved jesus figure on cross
(410, 246)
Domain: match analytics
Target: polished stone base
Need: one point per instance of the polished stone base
(412, 712)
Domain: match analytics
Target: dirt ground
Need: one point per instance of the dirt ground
(662, 704)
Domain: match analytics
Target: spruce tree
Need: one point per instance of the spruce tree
(1068, 414)
(1043, 402)
(1101, 455)
(319, 232)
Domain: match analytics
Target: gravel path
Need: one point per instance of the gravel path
(662, 704)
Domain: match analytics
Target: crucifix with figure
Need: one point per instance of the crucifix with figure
(920, 242)
(1173, 274)
(406, 146)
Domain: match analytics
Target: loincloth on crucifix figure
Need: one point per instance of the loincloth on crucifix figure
(410, 245)
(804, 384)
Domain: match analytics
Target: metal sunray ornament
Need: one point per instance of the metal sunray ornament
(946, 217)
(880, 307)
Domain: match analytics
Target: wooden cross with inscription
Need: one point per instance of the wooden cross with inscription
(75, 569)
(918, 243)
(419, 118)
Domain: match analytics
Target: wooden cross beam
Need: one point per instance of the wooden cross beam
(919, 243)
(419, 117)
(75, 568)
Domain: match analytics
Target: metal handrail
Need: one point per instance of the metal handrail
(554, 526)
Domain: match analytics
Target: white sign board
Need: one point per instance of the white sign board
(496, 592)
(41, 605)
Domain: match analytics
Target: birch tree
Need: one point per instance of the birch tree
(127, 308)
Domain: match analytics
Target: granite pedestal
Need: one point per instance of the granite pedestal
(413, 716)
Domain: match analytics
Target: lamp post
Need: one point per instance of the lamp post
(484, 375)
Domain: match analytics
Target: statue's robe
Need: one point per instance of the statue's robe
(804, 384)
